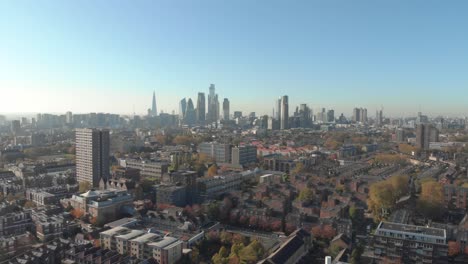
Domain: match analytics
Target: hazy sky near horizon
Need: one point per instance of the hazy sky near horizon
(109, 56)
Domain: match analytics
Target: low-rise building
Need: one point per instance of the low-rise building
(15, 223)
(103, 206)
(171, 194)
(209, 188)
(48, 227)
(401, 243)
(148, 169)
(40, 197)
(220, 153)
(243, 155)
(142, 245)
(292, 250)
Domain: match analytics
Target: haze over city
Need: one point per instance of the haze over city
(94, 56)
(240, 132)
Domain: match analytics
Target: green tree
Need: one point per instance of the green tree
(353, 212)
(356, 255)
(84, 187)
(213, 170)
(306, 195)
(431, 201)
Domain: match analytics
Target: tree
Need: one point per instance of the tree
(356, 254)
(381, 199)
(225, 237)
(453, 248)
(406, 148)
(221, 256)
(77, 213)
(400, 185)
(333, 250)
(384, 195)
(84, 187)
(431, 200)
(248, 255)
(212, 170)
(213, 211)
(183, 140)
(306, 195)
(299, 168)
(29, 204)
(352, 212)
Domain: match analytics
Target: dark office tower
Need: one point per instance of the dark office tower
(426, 133)
(356, 115)
(190, 114)
(182, 109)
(237, 114)
(284, 113)
(201, 105)
(154, 111)
(331, 115)
(69, 117)
(379, 118)
(400, 135)
(226, 109)
(213, 105)
(363, 115)
(278, 109)
(15, 127)
(305, 116)
(92, 155)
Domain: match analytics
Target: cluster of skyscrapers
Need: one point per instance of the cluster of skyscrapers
(190, 115)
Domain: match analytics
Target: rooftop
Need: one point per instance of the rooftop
(430, 231)
(145, 238)
(163, 243)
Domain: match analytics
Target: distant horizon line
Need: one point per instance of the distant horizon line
(28, 114)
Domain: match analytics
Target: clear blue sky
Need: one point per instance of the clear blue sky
(109, 56)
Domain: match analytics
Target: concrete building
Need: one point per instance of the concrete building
(284, 124)
(292, 250)
(226, 112)
(219, 152)
(201, 108)
(331, 116)
(40, 197)
(92, 155)
(426, 133)
(167, 251)
(400, 135)
(15, 127)
(213, 105)
(47, 227)
(148, 169)
(105, 205)
(356, 115)
(171, 195)
(243, 155)
(211, 188)
(142, 245)
(401, 243)
(15, 223)
(182, 109)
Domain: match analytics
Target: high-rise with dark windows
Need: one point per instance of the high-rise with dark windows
(284, 113)
(226, 109)
(201, 105)
(92, 155)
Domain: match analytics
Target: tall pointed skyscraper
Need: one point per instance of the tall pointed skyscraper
(154, 111)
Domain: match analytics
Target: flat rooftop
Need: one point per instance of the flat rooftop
(431, 231)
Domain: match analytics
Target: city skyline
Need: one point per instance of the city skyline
(92, 57)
